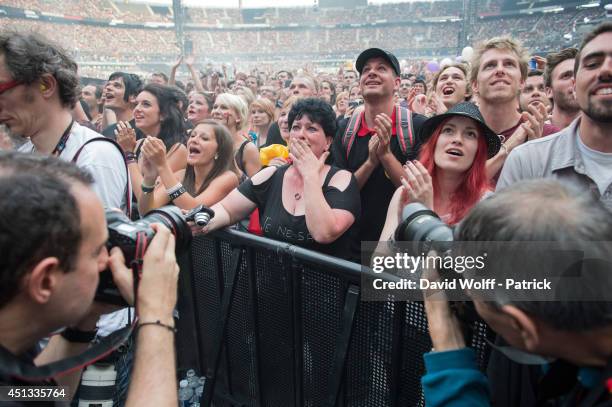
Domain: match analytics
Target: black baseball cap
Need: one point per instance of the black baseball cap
(374, 53)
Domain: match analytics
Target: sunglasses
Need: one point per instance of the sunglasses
(9, 85)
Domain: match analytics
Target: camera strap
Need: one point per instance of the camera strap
(12, 366)
(136, 264)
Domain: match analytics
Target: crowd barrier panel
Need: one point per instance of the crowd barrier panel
(271, 324)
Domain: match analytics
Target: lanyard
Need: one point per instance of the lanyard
(61, 144)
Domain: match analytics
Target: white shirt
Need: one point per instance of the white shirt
(103, 160)
(107, 166)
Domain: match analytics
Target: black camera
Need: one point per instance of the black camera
(355, 103)
(132, 236)
(423, 227)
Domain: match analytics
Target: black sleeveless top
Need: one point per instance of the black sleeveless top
(277, 223)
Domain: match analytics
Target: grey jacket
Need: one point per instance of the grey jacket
(555, 156)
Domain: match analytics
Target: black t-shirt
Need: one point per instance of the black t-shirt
(277, 223)
(8, 359)
(273, 136)
(109, 131)
(378, 190)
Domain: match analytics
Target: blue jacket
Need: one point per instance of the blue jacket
(453, 379)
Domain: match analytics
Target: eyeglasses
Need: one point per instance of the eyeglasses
(9, 85)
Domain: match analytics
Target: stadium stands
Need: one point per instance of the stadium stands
(411, 29)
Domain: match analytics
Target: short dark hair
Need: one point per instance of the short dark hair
(597, 31)
(163, 76)
(30, 56)
(39, 216)
(172, 128)
(289, 74)
(422, 81)
(208, 97)
(547, 210)
(535, 72)
(318, 111)
(554, 59)
(132, 83)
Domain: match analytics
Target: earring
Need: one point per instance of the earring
(216, 156)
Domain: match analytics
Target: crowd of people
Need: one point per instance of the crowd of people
(321, 160)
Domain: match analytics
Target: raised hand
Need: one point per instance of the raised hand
(154, 150)
(372, 148)
(419, 104)
(177, 63)
(125, 136)
(383, 126)
(535, 118)
(418, 184)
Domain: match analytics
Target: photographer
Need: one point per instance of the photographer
(53, 239)
(576, 331)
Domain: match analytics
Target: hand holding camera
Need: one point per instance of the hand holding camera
(133, 245)
(444, 328)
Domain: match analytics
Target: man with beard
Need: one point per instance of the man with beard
(559, 81)
(582, 152)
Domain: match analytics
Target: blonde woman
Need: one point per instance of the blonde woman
(231, 111)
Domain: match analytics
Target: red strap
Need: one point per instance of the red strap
(404, 121)
(351, 132)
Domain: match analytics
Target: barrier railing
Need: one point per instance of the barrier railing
(271, 324)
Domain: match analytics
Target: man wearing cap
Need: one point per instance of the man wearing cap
(376, 143)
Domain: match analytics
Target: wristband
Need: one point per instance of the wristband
(174, 188)
(76, 336)
(158, 323)
(147, 189)
(129, 156)
(504, 147)
(177, 193)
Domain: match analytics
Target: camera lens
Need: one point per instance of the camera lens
(171, 217)
(422, 225)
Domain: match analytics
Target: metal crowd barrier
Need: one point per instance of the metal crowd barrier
(270, 324)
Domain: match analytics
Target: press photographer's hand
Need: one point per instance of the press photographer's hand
(444, 328)
(158, 283)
